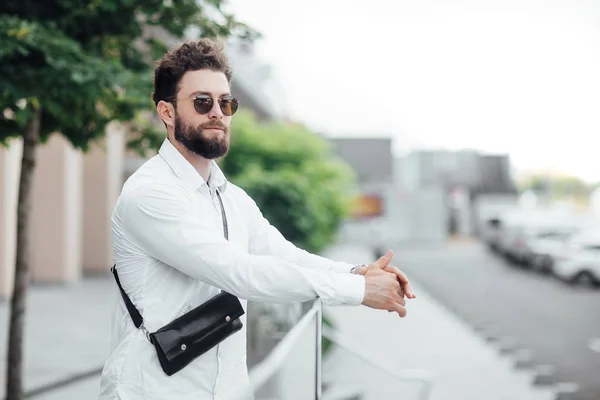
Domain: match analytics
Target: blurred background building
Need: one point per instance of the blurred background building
(423, 197)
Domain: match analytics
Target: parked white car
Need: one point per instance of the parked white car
(580, 259)
(546, 247)
(531, 237)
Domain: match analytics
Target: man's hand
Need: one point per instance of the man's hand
(383, 286)
(402, 278)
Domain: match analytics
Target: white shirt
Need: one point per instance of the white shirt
(171, 256)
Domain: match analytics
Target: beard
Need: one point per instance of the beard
(196, 141)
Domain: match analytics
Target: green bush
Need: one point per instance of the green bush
(302, 187)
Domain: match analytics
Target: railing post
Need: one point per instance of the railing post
(319, 353)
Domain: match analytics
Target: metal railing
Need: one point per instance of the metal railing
(425, 378)
(275, 376)
(293, 368)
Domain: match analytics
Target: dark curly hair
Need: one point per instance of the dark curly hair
(190, 56)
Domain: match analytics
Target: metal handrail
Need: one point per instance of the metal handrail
(263, 371)
(422, 376)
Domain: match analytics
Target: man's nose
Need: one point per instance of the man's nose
(215, 112)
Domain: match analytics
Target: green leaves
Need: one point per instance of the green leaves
(90, 62)
(39, 61)
(293, 176)
(560, 187)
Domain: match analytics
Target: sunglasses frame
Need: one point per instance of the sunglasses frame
(234, 104)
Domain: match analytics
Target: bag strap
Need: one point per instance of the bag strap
(135, 314)
(224, 217)
(133, 311)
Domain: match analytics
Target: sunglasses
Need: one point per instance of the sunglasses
(203, 103)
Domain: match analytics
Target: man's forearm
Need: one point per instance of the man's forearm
(313, 261)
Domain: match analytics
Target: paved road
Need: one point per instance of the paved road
(528, 311)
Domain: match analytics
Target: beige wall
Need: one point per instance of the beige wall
(102, 182)
(73, 197)
(10, 166)
(56, 227)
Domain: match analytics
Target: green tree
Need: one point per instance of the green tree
(72, 66)
(300, 185)
(559, 187)
(536, 183)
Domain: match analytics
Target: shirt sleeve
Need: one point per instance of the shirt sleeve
(265, 239)
(160, 219)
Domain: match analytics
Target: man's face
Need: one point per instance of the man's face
(206, 135)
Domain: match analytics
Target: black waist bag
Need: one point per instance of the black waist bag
(194, 333)
(182, 340)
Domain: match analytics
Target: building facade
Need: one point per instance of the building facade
(457, 178)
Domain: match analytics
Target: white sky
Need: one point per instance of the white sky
(516, 76)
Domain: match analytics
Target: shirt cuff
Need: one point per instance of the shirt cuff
(350, 289)
(343, 267)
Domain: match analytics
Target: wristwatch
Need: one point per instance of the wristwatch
(354, 269)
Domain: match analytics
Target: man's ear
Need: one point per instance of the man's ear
(166, 112)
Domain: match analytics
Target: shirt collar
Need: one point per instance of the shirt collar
(186, 172)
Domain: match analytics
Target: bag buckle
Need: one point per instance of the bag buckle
(146, 332)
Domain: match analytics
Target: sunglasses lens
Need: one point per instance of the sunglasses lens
(203, 104)
(229, 106)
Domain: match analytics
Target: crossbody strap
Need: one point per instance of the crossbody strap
(133, 311)
(135, 314)
(225, 226)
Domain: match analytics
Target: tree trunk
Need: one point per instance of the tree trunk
(14, 381)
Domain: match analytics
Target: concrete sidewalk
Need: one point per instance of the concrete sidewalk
(67, 341)
(67, 337)
(429, 339)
